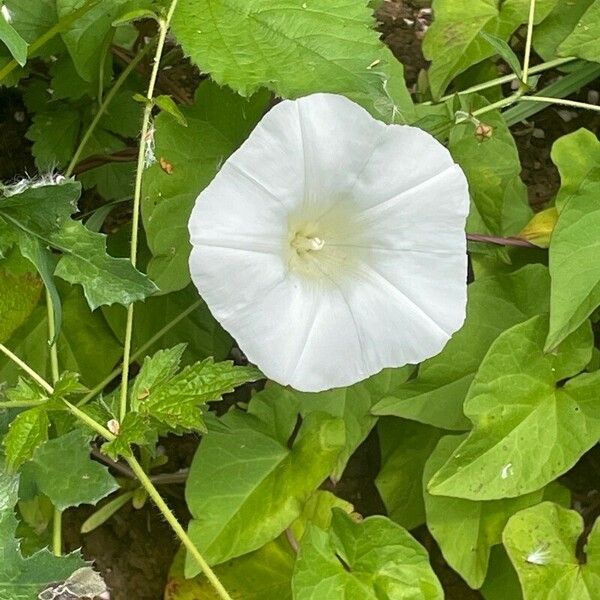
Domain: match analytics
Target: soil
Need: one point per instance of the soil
(134, 549)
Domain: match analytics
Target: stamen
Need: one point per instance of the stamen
(303, 243)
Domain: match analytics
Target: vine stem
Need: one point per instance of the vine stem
(560, 101)
(137, 195)
(102, 109)
(62, 25)
(525, 73)
(140, 351)
(551, 64)
(139, 472)
(499, 241)
(25, 367)
(53, 343)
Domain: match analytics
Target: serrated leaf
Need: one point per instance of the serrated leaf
(135, 429)
(63, 470)
(258, 485)
(28, 430)
(293, 48)
(44, 213)
(167, 104)
(156, 370)
(584, 41)
(24, 578)
(54, 135)
(218, 122)
(105, 279)
(494, 304)
(453, 43)
(16, 45)
(517, 405)
(542, 543)
(176, 402)
(368, 560)
(466, 530)
(353, 404)
(405, 448)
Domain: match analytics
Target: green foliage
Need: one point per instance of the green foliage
(281, 468)
(369, 559)
(324, 47)
(584, 41)
(471, 442)
(495, 303)
(541, 542)
(167, 399)
(453, 42)
(24, 578)
(517, 405)
(63, 471)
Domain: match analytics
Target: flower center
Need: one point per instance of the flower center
(302, 243)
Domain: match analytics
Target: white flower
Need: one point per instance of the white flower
(331, 245)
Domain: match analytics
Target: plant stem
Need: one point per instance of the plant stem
(560, 101)
(525, 73)
(177, 528)
(62, 25)
(57, 533)
(499, 241)
(51, 336)
(25, 367)
(140, 351)
(137, 195)
(102, 109)
(557, 62)
(139, 473)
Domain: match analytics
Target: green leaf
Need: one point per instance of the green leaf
(218, 122)
(86, 345)
(541, 542)
(54, 134)
(504, 51)
(577, 158)
(135, 15)
(453, 42)
(264, 574)
(353, 404)
(495, 303)
(574, 267)
(24, 578)
(199, 329)
(167, 104)
(44, 214)
(87, 39)
(405, 447)
(551, 32)
(293, 48)
(584, 41)
(28, 430)
(517, 405)
(20, 291)
(135, 429)
(501, 581)
(493, 168)
(466, 530)
(247, 485)
(63, 470)
(362, 561)
(175, 402)
(16, 45)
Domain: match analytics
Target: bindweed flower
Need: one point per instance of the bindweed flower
(331, 245)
